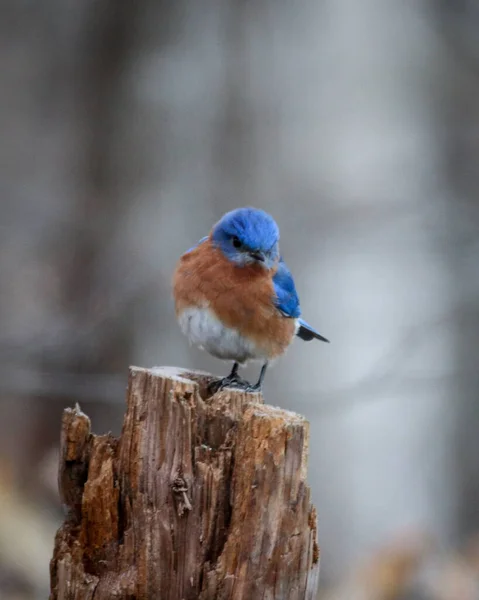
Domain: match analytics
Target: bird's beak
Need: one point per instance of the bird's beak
(258, 256)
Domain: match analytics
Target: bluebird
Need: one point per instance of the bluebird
(235, 297)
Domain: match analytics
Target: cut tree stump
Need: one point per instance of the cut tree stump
(202, 497)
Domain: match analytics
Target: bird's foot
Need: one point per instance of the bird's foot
(253, 389)
(236, 382)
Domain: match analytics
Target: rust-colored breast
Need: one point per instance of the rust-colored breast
(241, 297)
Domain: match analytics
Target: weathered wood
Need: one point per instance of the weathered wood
(201, 497)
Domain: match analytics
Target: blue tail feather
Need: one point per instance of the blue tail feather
(307, 333)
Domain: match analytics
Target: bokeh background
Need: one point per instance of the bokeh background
(128, 128)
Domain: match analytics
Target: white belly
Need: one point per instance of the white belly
(204, 330)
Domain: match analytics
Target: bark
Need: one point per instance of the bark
(202, 497)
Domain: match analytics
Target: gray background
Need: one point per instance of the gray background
(129, 128)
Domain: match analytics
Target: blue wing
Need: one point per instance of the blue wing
(287, 302)
(196, 245)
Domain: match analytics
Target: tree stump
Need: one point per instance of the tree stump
(202, 497)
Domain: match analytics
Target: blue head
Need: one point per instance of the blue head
(248, 236)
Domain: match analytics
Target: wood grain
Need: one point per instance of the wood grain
(201, 497)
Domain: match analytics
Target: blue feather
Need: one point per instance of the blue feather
(255, 229)
(203, 239)
(286, 296)
(247, 234)
(287, 302)
(307, 333)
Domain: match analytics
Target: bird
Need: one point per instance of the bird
(235, 296)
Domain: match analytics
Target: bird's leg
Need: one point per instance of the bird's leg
(258, 385)
(232, 380)
(234, 371)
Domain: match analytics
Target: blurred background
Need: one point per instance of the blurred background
(129, 128)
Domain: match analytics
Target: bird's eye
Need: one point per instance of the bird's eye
(236, 242)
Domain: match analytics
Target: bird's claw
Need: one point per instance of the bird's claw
(252, 389)
(237, 383)
(245, 386)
